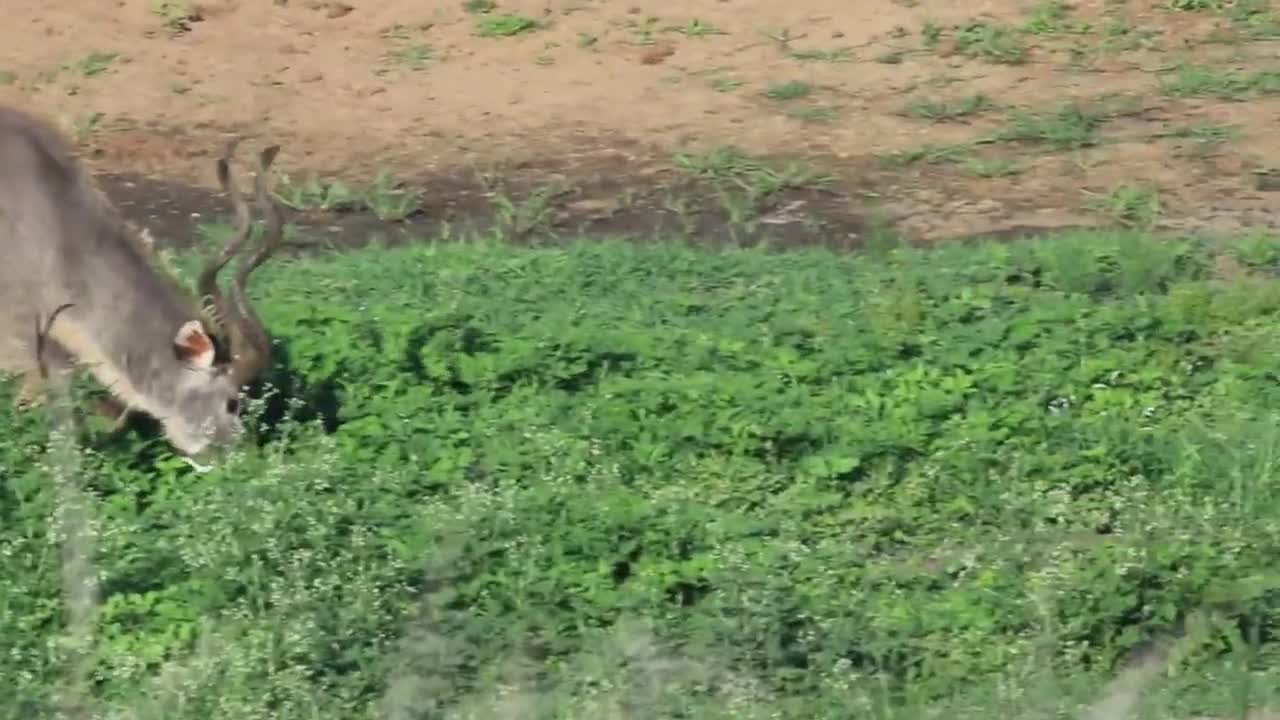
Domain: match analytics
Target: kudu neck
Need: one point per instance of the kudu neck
(123, 324)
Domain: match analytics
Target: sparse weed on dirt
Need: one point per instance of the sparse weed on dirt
(992, 42)
(385, 197)
(315, 194)
(891, 57)
(91, 64)
(729, 165)
(176, 15)
(832, 55)
(412, 57)
(520, 219)
(724, 83)
(696, 28)
(505, 25)
(967, 157)
(990, 167)
(815, 113)
(742, 187)
(1265, 178)
(1119, 36)
(930, 154)
(1070, 126)
(1195, 5)
(1130, 205)
(1013, 52)
(1051, 17)
(1254, 19)
(789, 90)
(390, 199)
(83, 126)
(1205, 137)
(930, 35)
(1193, 80)
(948, 110)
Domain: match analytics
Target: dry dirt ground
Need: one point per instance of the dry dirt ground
(815, 120)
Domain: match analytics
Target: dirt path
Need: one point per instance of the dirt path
(942, 118)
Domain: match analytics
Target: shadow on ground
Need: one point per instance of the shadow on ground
(527, 209)
(521, 212)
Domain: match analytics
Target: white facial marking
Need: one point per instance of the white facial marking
(197, 466)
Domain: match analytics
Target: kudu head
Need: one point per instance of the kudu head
(229, 347)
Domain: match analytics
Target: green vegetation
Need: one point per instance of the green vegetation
(1195, 5)
(947, 110)
(413, 57)
(612, 480)
(696, 28)
(1189, 80)
(814, 113)
(1070, 126)
(1051, 17)
(385, 197)
(94, 63)
(1136, 206)
(1205, 133)
(991, 42)
(1254, 19)
(177, 15)
(833, 55)
(789, 90)
(742, 184)
(721, 83)
(504, 25)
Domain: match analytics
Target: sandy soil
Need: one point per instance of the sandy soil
(601, 93)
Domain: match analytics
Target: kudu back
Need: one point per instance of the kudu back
(79, 287)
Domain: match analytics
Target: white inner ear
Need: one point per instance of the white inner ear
(192, 334)
(189, 328)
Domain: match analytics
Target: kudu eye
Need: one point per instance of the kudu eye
(233, 406)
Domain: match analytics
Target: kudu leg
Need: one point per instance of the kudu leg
(31, 394)
(29, 391)
(114, 411)
(50, 374)
(53, 374)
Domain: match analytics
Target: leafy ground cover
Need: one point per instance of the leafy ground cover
(651, 481)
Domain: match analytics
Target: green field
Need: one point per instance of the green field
(611, 480)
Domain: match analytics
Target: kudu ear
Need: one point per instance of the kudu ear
(193, 345)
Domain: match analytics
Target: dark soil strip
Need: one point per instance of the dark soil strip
(521, 212)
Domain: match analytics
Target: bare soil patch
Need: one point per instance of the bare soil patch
(942, 119)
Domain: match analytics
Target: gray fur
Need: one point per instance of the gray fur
(63, 243)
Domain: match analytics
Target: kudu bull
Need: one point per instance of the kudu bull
(78, 287)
